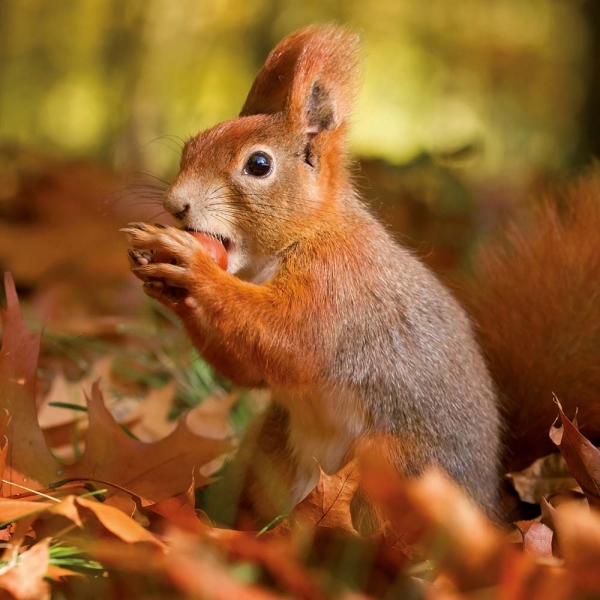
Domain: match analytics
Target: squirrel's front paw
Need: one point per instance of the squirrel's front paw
(161, 258)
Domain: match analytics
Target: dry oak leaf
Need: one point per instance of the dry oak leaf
(178, 510)
(81, 511)
(24, 580)
(192, 567)
(58, 423)
(581, 456)
(156, 471)
(543, 477)
(28, 460)
(11, 510)
(328, 505)
(89, 519)
(537, 538)
(437, 516)
(524, 578)
(578, 533)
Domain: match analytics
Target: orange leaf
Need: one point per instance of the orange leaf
(578, 533)
(115, 521)
(157, 470)
(25, 580)
(10, 510)
(435, 514)
(328, 505)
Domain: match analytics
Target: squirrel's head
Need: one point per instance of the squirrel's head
(260, 180)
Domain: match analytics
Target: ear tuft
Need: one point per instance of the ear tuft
(311, 76)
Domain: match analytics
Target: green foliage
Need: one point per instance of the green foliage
(105, 78)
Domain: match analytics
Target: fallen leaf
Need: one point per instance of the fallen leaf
(11, 510)
(279, 560)
(581, 456)
(328, 505)
(58, 422)
(196, 571)
(578, 533)
(154, 423)
(562, 497)
(114, 521)
(537, 538)
(211, 417)
(524, 578)
(178, 509)
(156, 471)
(28, 459)
(24, 580)
(434, 514)
(543, 477)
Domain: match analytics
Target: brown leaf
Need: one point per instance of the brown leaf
(59, 423)
(328, 505)
(28, 461)
(433, 513)
(25, 579)
(211, 418)
(279, 560)
(154, 423)
(96, 518)
(155, 471)
(537, 538)
(192, 568)
(565, 496)
(542, 478)
(523, 578)
(578, 533)
(581, 456)
(179, 509)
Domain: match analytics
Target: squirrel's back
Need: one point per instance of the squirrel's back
(404, 347)
(448, 395)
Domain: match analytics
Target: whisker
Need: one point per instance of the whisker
(287, 198)
(249, 215)
(152, 175)
(252, 205)
(159, 214)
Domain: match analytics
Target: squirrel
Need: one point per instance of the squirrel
(354, 337)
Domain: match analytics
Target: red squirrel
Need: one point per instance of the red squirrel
(352, 334)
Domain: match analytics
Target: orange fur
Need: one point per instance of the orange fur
(536, 302)
(352, 334)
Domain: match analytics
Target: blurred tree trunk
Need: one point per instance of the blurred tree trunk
(591, 113)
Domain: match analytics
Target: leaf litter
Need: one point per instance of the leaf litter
(120, 520)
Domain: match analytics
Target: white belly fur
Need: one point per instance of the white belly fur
(323, 425)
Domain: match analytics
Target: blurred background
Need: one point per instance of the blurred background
(468, 110)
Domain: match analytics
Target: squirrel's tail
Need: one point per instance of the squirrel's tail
(535, 301)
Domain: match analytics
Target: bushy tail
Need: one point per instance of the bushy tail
(535, 301)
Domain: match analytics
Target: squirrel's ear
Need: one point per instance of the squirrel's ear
(311, 76)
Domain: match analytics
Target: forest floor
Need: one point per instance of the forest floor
(112, 428)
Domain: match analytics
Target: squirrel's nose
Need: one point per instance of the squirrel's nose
(177, 205)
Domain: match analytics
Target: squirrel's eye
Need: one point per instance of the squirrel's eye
(258, 165)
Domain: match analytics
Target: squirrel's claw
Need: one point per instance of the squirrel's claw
(138, 258)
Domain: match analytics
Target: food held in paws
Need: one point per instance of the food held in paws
(213, 246)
